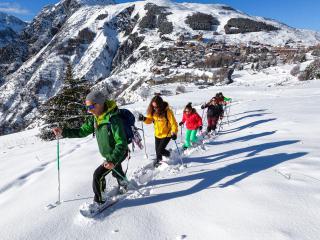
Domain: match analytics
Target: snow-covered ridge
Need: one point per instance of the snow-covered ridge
(92, 2)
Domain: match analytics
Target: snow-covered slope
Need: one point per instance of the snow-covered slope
(259, 179)
(114, 44)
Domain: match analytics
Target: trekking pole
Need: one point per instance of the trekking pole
(220, 126)
(50, 206)
(144, 141)
(127, 181)
(229, 111)
(203, 112)
(228, 115)
(179, 153)
(58, 166)
(181, 133)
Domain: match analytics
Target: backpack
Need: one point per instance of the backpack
(131, 131)
(128, 121)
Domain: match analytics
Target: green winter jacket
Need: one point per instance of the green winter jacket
(112, 144)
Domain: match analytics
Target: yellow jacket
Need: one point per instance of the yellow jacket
(164, 126)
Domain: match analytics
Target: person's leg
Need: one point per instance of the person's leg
(209, 128)
(97, 183)
(162, 147)
(119, 170)
(187, 140)
(214, 123)
(120, 176)
(193, 136)
(157, 146)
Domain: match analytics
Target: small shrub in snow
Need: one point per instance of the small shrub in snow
(145, 92)
(300, 57)
(302, 76)
(180, 89)
(312, 71)
(222, 74)
(316, 52)
(295, 70)
(165, 92)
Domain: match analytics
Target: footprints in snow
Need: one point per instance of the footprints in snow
(23, 179)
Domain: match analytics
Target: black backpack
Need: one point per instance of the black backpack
(128, 120)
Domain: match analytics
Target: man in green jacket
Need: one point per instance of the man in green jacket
(109, 131)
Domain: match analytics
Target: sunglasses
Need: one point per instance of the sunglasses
(90, 107)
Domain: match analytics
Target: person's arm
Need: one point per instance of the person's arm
(205, 105)
(183, 118)
(172, 121)
(148, 119)
(199, 120)
(86, 129)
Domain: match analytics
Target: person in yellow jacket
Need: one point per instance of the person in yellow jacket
(165, 126)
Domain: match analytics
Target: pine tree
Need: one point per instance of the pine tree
(66, 108)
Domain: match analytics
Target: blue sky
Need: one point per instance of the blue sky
(296, 13)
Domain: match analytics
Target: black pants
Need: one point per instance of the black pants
(161, 144)
(212, 123)
(99, 181)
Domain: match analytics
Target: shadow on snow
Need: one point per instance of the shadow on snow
(206, 179)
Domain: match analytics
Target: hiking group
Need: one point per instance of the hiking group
(110, 126)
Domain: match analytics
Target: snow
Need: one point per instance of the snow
(259, 179)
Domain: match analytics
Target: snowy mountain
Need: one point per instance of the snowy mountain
(10, 27)
(119, 46)
(7, 21)
(258, 179)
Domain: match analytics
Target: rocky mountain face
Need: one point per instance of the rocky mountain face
(10, 24)
(12, 50)
(123, 47)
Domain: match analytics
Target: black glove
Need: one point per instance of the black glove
(200, 128)
(202, 106)
(180, 123)
(141, 117)
(174, 136)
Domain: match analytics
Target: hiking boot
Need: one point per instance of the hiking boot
(95, 206)
(122, 187)
(157, 163)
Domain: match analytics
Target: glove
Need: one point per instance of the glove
(174, 136)
(202, 106)
(141, 117)
(200, 128)
(180, 123)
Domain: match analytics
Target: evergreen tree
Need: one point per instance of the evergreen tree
(66, 108)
